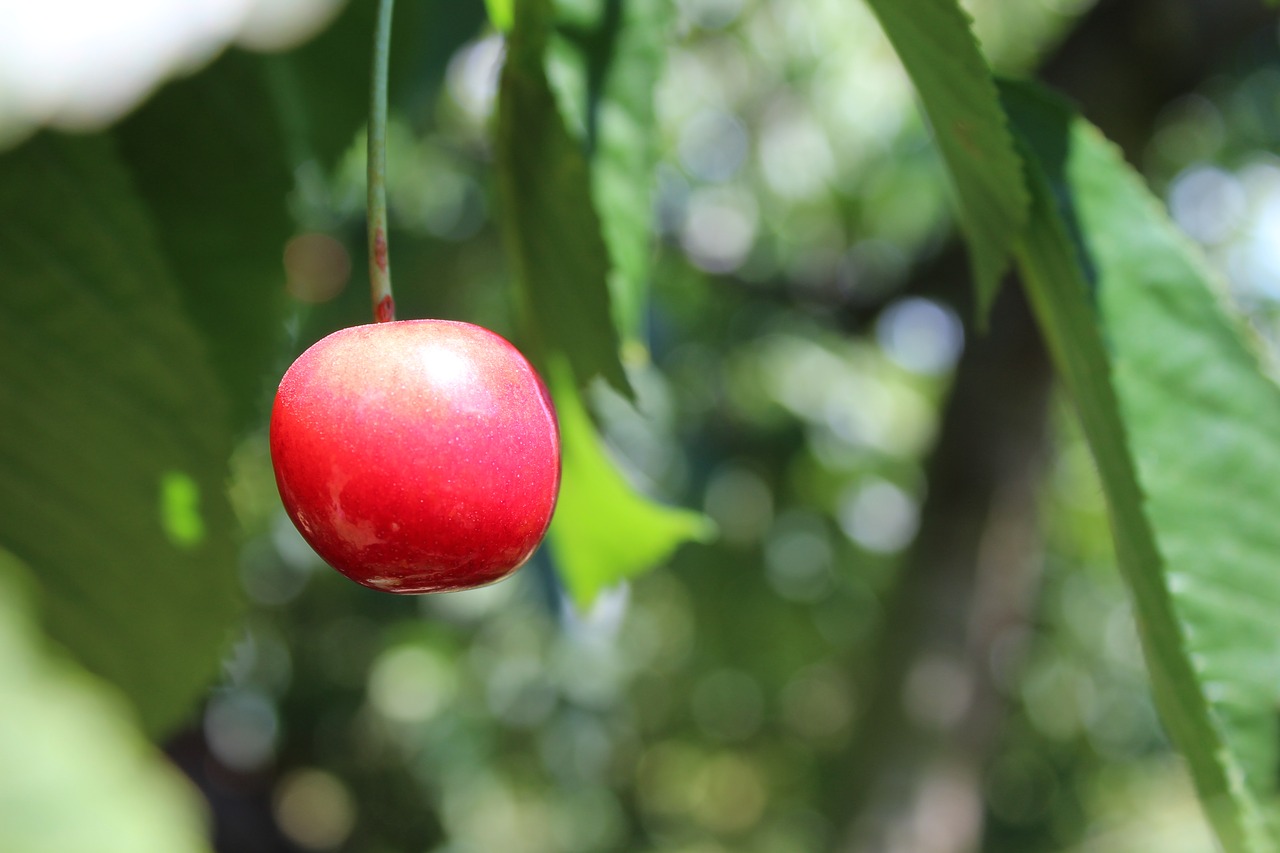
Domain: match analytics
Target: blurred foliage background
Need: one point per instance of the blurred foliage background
(909, 634)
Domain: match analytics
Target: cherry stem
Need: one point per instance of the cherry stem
(384, 306)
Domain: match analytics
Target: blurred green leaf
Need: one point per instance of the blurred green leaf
(604, 531)
(604, 69)
(502, 14)
(1182, 424)
(935, 42)
(114, 441)
(207, 156)
(76, 774)
(552, 231)
(324, 84)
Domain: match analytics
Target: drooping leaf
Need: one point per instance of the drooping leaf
(603, 64)
(604, 531)
(76, 774)
(1183, 426)
(114, 439)
(604, 67)
(549, 219)
(935, 42)
(207, 156)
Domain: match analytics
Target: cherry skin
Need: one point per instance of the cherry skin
(417, 455)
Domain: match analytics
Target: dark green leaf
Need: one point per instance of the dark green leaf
(114, 440)
(604, 531)
(548, 215)
(934, 40)
(605, 68)
(76, 773)
(207, 156)
(1182, 424)
(324, 84)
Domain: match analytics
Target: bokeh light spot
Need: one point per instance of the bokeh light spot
(314, 809)
(1208, 203)
(798, 558)
(740, 503)
(411, 684)
(818, 703)
(241, 728)
(472, 77)
(730, 793)
(921, 335)
(719, 228)
(713, 145)
(317, 267)
(937, 692)
(879, 516)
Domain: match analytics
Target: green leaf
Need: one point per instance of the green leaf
(322, 87)
(934, 40)
(76, 774)
(1182, 424)
(502, 14)
(549, 219)
(604, 69)
(603, 531)
(208, 158)
(114, 441)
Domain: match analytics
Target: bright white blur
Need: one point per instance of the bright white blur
(80, 64)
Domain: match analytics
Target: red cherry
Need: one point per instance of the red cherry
(418, 455)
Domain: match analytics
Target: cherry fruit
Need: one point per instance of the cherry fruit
(417, 455)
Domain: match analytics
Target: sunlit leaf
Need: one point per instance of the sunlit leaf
(75, 774)
(207, 156)
(604, 69)
(502, 13)
(1183, 426)
(604, 531)
(114, 439)
(552, 231)
(935, 42)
